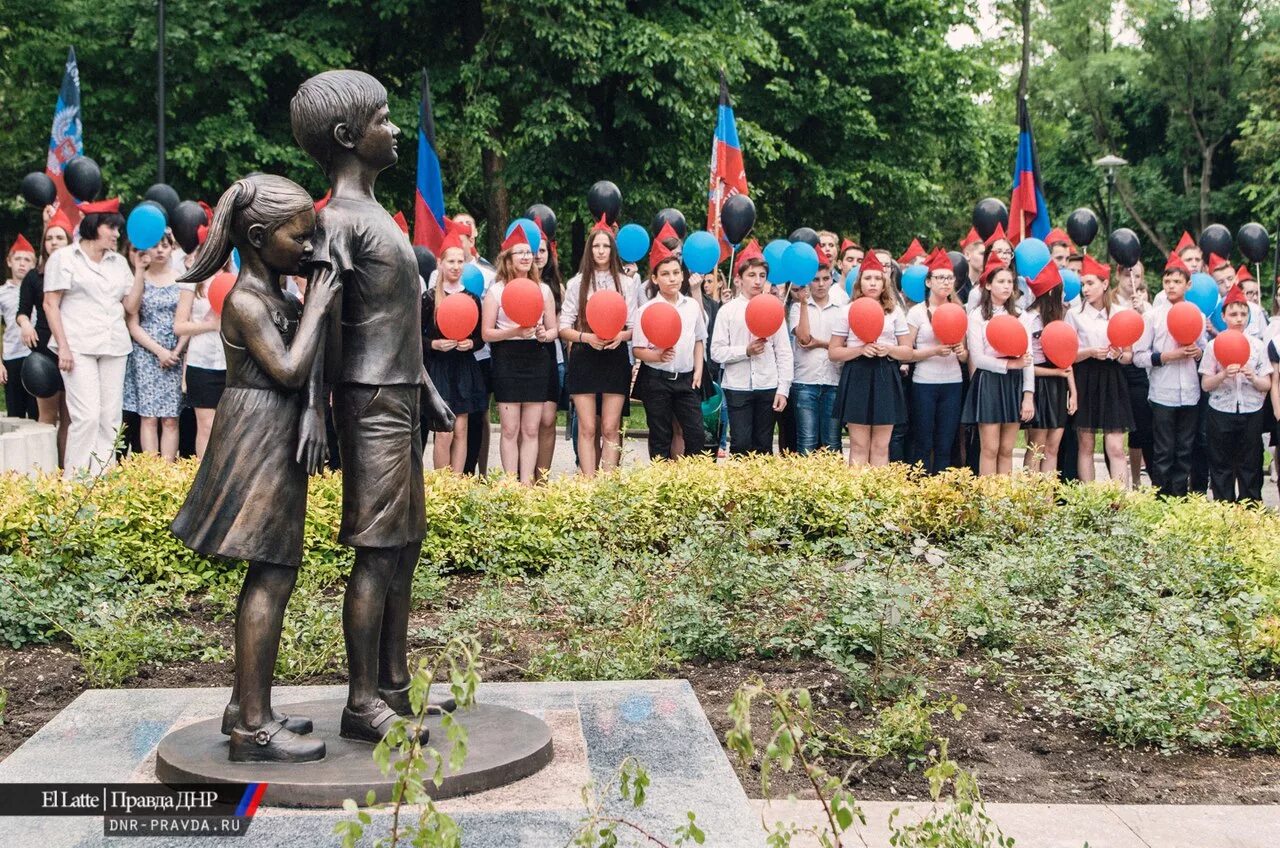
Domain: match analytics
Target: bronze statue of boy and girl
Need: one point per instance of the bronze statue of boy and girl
(357, 339)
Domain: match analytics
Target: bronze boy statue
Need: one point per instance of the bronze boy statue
(249, 498)
(374, 364)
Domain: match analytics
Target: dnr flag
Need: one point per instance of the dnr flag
(1028, 214)
(428, 199)
(728, 175)
(66, 139)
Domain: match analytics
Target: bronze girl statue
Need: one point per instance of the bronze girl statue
(249, 498)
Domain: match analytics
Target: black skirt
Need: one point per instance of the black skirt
(457, 377)
(870, 392)
(604, 372)
(1102, 396)
(993, 398)
(205, 387)
(520, 371)
(1051, 404)
(1139, 388)
(553, 376)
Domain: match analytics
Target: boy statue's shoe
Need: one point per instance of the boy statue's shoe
(273, 743)
(398, 700)
(293, 724)
(372, 723)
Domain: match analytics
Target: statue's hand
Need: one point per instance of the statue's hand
(440, 417)
(313, 441)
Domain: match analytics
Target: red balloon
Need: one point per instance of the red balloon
(866, 319)
(764, 315)
(218, 289)
(456, 316)
(950, 323)
(661, 324)
(1124, 328)
(1007, 335)
(606, 314)
(1185, 322)
(522, 301)
(1061, 344)
(1231, 347)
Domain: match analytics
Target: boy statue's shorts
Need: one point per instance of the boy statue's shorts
(380, 437)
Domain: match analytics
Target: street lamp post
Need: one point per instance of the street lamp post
(1110, 164)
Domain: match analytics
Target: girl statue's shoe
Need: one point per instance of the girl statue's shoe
(398, 700)
(273, 743)
(372, 723)
(294, 724)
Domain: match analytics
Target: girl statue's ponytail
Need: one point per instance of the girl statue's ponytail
(213, 254)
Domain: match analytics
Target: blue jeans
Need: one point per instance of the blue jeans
(935, 422)
(816, 424)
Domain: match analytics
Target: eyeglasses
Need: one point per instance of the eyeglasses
(943, 278)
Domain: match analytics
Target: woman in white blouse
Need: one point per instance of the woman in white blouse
(84, 288)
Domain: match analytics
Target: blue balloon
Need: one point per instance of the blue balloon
(1219, 323)
(145, 226)
(1070, 284)
(633, 243)
(531, 232)
(473, 280)
(1032, 255)
(1203, 293)
(701, 252)
(774, 252)
(800, 263)
(913, 277)
(235, 259)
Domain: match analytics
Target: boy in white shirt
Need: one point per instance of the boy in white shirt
(816, 376)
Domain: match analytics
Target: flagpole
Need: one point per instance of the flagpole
(160, 94)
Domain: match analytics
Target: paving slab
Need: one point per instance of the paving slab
(112, 736)
(1063, 825)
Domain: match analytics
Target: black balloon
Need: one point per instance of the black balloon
(987, 214)
(38, 189)
(83, 178)
(1082, 226)
(1215, 239)
(163, 211)
(605, 199)
(674, 217)
(166, 196)
(805, 234)
(427, 261)
(541, 214)
(959, 265)
(40, 375)
(737, 217)
(1124, 247)
(186, 219)
(1253, 242)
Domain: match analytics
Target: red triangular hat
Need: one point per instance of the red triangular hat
(823, 261)
(870, 262)
(970, 238)
(1215, 263)
(202, 233)
(319, 204)
(845, 245)
(21, 245)
(751, 251)
(453, 238)
(401, 222)
(602, 224)
(112, 205)
(208, 211)
(1175, 263)
(516, 238)
(452, 226)
(1235, 294)
(994, 263)
(667, 231)
(658, 254)
(998, 235)
(1048, 278)
(939, 260)
(914, 251)
(1242, 274)
(1096, 268)
(61, 221)
(1057, 236)
(1184, 242)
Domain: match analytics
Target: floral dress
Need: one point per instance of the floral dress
(149, 390)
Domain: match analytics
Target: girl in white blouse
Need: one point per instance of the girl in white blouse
(1101, 386)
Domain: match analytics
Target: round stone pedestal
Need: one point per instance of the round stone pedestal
(503, 745)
